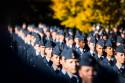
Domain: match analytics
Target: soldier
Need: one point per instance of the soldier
(69, 42)
(54, 34)
(70, 64)
(109, 59)
(61, 40)
(36, 52)
(48, 53)
(87, 69)
(119, 67)
(82, 46)
(56, 60)
(119, 41)
(24, 26)
(30, 48)
(92, 44)
(76, 41)
(99, 56)
(48, 36)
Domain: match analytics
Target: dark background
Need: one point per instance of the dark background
(15, 12)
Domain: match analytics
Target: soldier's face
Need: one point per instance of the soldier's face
(24, 26)
(99, 49)
(62, 60)
(71, 65)
(120, 57)
(109, 51)
(115, 29)
(86, 73)
(10, 29)
(61, 37)
(53, 34)
(48, 33)
(104, 37)
(56, 60)
(82, 44)
(42, 48)
(91, 46)
(28, 37)
(70, 42)
(37, 47)
(76, 40)
(57, 37)
(41, 34)
(48, 52)
(117, 44)
(123, 35)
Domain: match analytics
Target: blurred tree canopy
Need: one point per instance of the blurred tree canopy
(82, 14)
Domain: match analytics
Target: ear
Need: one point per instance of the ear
(45, 50)
(80, 72)
(52, 58)
(115, 55)
(105, 50)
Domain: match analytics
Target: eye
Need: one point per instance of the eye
(71, 61)
(122, 54)
(110, 48)
(56, 57)
(87, 70)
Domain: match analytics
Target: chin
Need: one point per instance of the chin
(57, 64)
(122, 62)
(74, 72)
(90, 78)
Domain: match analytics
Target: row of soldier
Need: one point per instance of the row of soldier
(71, 56)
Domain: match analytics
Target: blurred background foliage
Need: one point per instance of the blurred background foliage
(82, 14)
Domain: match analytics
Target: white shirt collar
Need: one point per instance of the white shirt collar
(77, 45)
(70, 75)
(81, 49)
(55, 67)
(63, 71)
(37, 53)
(91, 52)
(69, 46)
(42, 55)
(118, 65)
(109, 58)
(47, 59)
(99, 56)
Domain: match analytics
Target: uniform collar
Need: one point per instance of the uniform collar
(42, 55)
(28, 43)
(37, 53)
(60, 41)
(99, 56)
(63, 71)
(70, 46)
(109, 58)
(77, 45)
(119, 65)
(47, 59)
(81, 49)
(92, 52)
(70, 75)
(55, 67)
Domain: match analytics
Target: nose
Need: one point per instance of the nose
(123, 57)
(58, 59)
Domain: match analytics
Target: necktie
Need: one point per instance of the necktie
(57, 71)
(93, 54)
(74, 79)
(101, 58)
(111, 62)
(122, 69)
